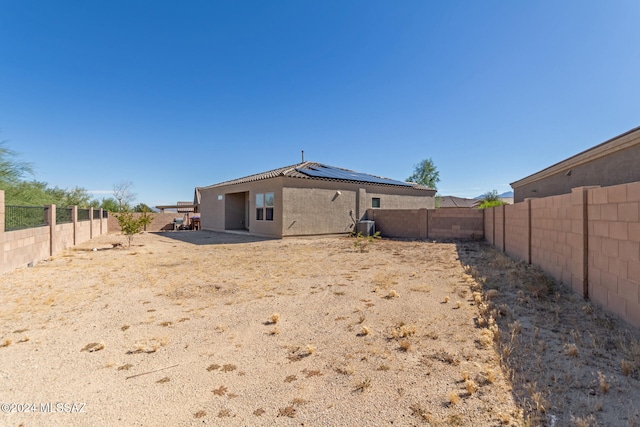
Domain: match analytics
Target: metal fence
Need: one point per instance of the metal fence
(83, 214)
(96, 214)
(63, 215)
(21, 217)
(105, 213)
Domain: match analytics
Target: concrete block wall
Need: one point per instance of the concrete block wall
(82, 232)
(588, 240)
(62, 238)
(398, 223)
(499, 227)
(614, 249)
(21, 248)
(550, 224)
(462, 223)
(489, 225)
(518, 228)
(24, 247)
(160, 221)
(429, 223)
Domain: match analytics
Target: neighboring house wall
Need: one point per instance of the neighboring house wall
(461, 223)
(588, 240)
(610, 163)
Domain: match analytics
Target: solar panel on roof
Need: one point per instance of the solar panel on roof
(336, 173)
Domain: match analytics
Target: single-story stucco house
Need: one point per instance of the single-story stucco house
(616, 161)
(304, 199)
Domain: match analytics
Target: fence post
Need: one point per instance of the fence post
(504, 228)
(51, 219)
(580, 240)
(74, 219)
(2, 258)
(528, 202)
(423, 226)
(493, 229)
(91, 222)
(101, 219)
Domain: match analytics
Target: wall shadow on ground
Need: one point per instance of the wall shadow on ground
(554, 347)
(205, 237)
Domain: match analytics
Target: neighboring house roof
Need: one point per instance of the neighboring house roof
(458, 202)
(620, 142)
(319, 171)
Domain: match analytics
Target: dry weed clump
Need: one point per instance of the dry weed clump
(288, 411)
(403, 331)
(626, 367)
(404, 345)
(275, 318)
(453, 397)
(392, 294)
(602, 380)
(470, 386)
(361, 386)
(571, 350)
(92, 347)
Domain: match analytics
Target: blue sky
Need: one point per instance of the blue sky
(173, 95)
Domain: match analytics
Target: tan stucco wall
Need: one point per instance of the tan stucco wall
(214, 215)
(605, 169)
(309, 207)
(315, 207)
(318, 211)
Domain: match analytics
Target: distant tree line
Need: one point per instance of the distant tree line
(20, 191)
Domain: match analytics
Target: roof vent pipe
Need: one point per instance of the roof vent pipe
(302, 156)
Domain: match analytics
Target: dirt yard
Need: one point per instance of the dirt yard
(200, 328)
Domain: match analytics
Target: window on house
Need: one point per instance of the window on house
(268, 202)
(260, 207)
(264, 206)
(375, 202)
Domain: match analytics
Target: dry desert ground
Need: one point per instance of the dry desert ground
(203, 328)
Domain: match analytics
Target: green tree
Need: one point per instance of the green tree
(141, 207)
(491, 199)
(78, 196)
(109, 204)
(12, 170)
(425, 173)
(130, 225)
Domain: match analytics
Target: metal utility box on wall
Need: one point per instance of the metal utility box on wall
(367, 228)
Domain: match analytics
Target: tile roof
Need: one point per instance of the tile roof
(458, 202)
(297, 171)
